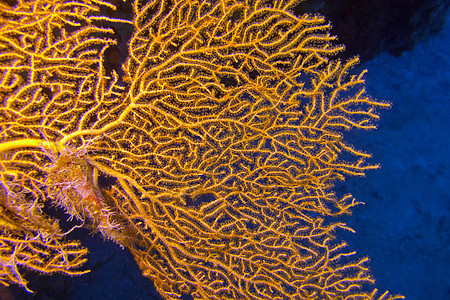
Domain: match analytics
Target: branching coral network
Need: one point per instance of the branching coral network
(221, 145)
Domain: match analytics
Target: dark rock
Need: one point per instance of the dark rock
(369, 27)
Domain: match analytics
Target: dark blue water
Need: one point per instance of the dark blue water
(404, 226)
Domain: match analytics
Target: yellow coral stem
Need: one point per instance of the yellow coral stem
(23, 143)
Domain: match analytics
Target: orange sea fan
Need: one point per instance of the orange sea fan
(221, 150)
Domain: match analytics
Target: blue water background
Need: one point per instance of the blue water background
(404, 225)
